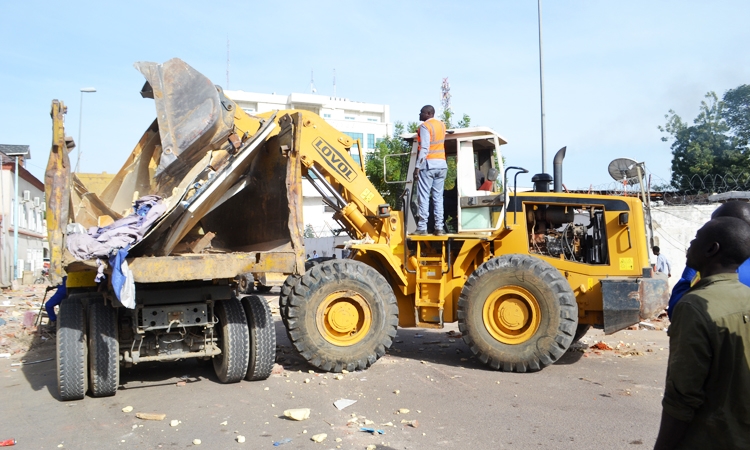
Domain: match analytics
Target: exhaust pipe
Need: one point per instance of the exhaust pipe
(557, 169)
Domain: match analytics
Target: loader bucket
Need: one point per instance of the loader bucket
(192, 113)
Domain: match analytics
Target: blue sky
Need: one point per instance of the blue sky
(612, 69)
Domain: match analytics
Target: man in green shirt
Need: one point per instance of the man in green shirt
(706, 401)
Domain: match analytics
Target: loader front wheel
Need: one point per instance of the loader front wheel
(341, 314)
(517, 313)
(234, 341)
(286, 291)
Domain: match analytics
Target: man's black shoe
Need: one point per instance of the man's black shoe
(420, 233)
(439, 232)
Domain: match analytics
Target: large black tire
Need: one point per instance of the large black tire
(262, 338)
(234, 341)
(517, 313)
(342, 314)
(286, 291)
(581, 331)
(104, 350)
(71, 350)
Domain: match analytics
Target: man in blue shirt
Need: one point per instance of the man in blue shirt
(55, 300)
(734, 208)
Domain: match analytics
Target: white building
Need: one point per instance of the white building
(32, 228)
(367, 122)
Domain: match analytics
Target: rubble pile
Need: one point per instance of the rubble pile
(19, 311)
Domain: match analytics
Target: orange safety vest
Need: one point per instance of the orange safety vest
(436, 128)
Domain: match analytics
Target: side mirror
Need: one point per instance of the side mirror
(492, 174)
(624, 218)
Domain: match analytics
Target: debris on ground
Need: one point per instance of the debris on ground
(240, 439)
(412, 423)
(174, 423)
(319, 437)
(601, 345)
(149, 416)
(371, 430)
(298, 413)
(196, 442)
(343, 403)
(402, 411)
(282, 442)
(127, 409)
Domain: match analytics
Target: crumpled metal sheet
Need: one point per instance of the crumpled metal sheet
(57, 191)
(193, 116)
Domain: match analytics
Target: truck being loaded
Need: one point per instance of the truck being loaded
(523, 273)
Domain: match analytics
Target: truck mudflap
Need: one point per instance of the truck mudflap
(627, 301)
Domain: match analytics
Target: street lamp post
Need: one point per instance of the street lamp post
(80, 119)
(16, 213)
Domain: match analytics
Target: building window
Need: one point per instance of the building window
(354, 136)
(349, 117)
(326, 116)
(370, 141)
(372, 119)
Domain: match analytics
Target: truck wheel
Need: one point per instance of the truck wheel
(104, 350)
(233, 338)
(581, 331)
(262, 338)
(71, 350)
(286, 291)
(517, 313)
(342, 314)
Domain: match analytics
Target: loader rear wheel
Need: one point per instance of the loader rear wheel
(104, 350)
(233, 338)
(517, 313)
(342, 314)
(71, 350)
(262, 338)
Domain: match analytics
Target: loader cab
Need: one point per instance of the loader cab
(473, 194)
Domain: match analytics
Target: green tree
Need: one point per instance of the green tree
(397, 166)
(737, 113)
(702, 148)
(309, 231)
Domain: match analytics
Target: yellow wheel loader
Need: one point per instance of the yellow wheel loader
(523, 273)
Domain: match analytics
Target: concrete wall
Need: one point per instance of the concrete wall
(674, 228)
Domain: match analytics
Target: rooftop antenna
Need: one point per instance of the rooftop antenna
(334, 83)
(312, 83)
(541, 88)
(227, 62)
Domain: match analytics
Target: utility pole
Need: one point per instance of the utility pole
(541, 88)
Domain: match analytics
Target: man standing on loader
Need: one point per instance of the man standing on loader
(430, 170)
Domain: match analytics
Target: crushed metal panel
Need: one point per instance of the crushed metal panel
(57, 191)
(193, 115)
(213, 189)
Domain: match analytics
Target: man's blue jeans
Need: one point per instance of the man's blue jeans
(430, 184)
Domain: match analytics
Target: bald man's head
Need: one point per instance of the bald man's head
(427, 112)
(721, 242)
(735, 208)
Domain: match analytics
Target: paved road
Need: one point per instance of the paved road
(588, 400)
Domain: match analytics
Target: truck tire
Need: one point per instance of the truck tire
(104, 350)
(262, 338)
(342, 314)
(517, 313)
(234, 341)
(286, 291)
(71, 350)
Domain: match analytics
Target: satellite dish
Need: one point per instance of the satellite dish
(624, 170)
